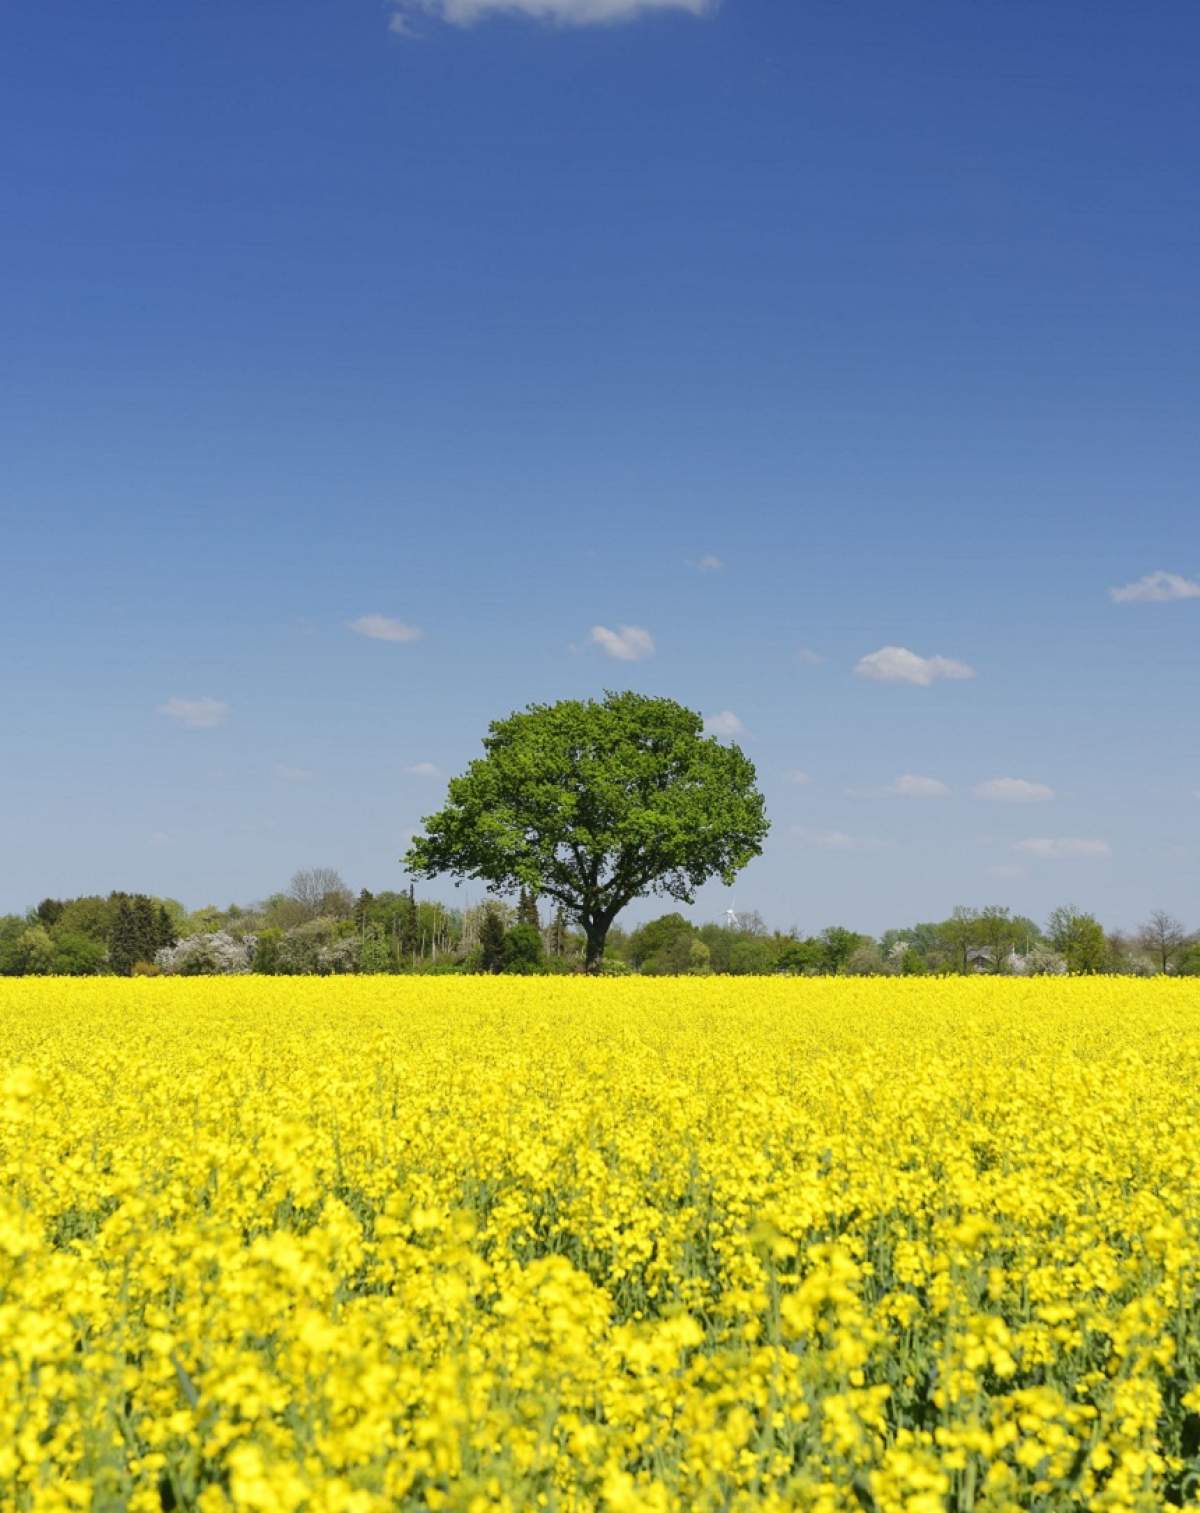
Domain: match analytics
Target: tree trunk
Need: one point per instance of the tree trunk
(596, 931)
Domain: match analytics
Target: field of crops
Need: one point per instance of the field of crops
(472, 1244)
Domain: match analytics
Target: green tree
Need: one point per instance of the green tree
(752, 956)
(374, 955)
(123, 940)
(1078, 938)
(803, 956)
(838, 945)
(669, 936)
(1189, 962)
(77, 955)
(523, 949)
(268, 951)
(12, 927)
(409, 935)
(595, 804)
(996, 934)
(35, 952)
(527, 909)
(491, 941)
(362, 909)
(1164, 939)
(49, 911)
(165, 934)
(699, 959)
(146, 927)
(958, 937)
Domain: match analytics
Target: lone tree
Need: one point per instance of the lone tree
(594, 804)
(1164, 938)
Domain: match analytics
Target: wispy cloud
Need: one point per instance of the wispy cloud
(1064, 849)
(910, 786)
(836, 840)
(424, 770)
(1013, 791)
(196, 714)
(896, 664)
(384, 628)
(288, 774)
(628, 643)
(555, 12)
(797, 776)
(725, 724)
(809, 658)
(1156, 588)
(710, 563)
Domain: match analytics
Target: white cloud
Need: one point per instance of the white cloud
(1064, 849)
(291, 774)
(424, 770)
(795, 775)
(555, 12)
(910, 786)
(196, 714)
(383, 628)
(896, 664)
(1156, 588)
(1013, 791)
(836, 840)
(809, 658)
(710, 564)
(726, 723)
(628, 643)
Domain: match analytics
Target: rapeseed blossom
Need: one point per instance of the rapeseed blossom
(640, 1245)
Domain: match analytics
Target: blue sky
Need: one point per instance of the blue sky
(506, 323)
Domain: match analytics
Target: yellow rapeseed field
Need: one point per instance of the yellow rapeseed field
(376, 1243)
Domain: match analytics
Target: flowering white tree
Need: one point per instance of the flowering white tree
(201, 955)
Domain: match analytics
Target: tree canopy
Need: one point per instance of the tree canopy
(596, 803)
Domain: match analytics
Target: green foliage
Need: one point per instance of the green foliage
(267, 951)
(752, 956)
(1079, 939)
(35, 952)
(12, 927)
(49, 911)
(596, 804)
(699, 959)
(374, 955)
(523, 951)
(491, 941)
(666, 939)
(527, 910)
(838, 945)
(77, 955)
(1189, 961)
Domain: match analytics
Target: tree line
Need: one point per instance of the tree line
(317, 925)
(576, 808)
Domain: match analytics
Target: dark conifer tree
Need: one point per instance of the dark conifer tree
(410, 931)
(527, 909)
(123, 940)
(491, 940)
(145, 927)
(165, 933)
